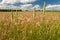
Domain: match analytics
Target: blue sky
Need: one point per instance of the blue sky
(29, 4)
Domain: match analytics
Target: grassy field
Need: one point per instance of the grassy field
(22, 26)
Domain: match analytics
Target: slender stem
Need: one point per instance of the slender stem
(17, 16)
(11, 15)
(44, 7)
(34, 13)
(44, 11)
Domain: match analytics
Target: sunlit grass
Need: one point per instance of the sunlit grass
(49, 29)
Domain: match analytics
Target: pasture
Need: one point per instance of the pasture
(22, 26)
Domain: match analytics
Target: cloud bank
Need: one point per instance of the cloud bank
(16, 1)
(23, 6)
(53, 7)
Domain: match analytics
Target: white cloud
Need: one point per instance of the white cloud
(8, 7)
(23, 7)
(16, 1)
(30, 7)
(37, 7)
(26, 6)
(8, 1)
(26, 1)
(53, 7)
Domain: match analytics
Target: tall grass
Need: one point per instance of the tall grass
(45, 30)
(34, 13)
(17, 16)
(12, 16)
(44, 11)
(44, 7)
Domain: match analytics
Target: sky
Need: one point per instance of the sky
(30, 4)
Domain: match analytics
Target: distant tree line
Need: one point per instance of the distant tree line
(8, 10)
